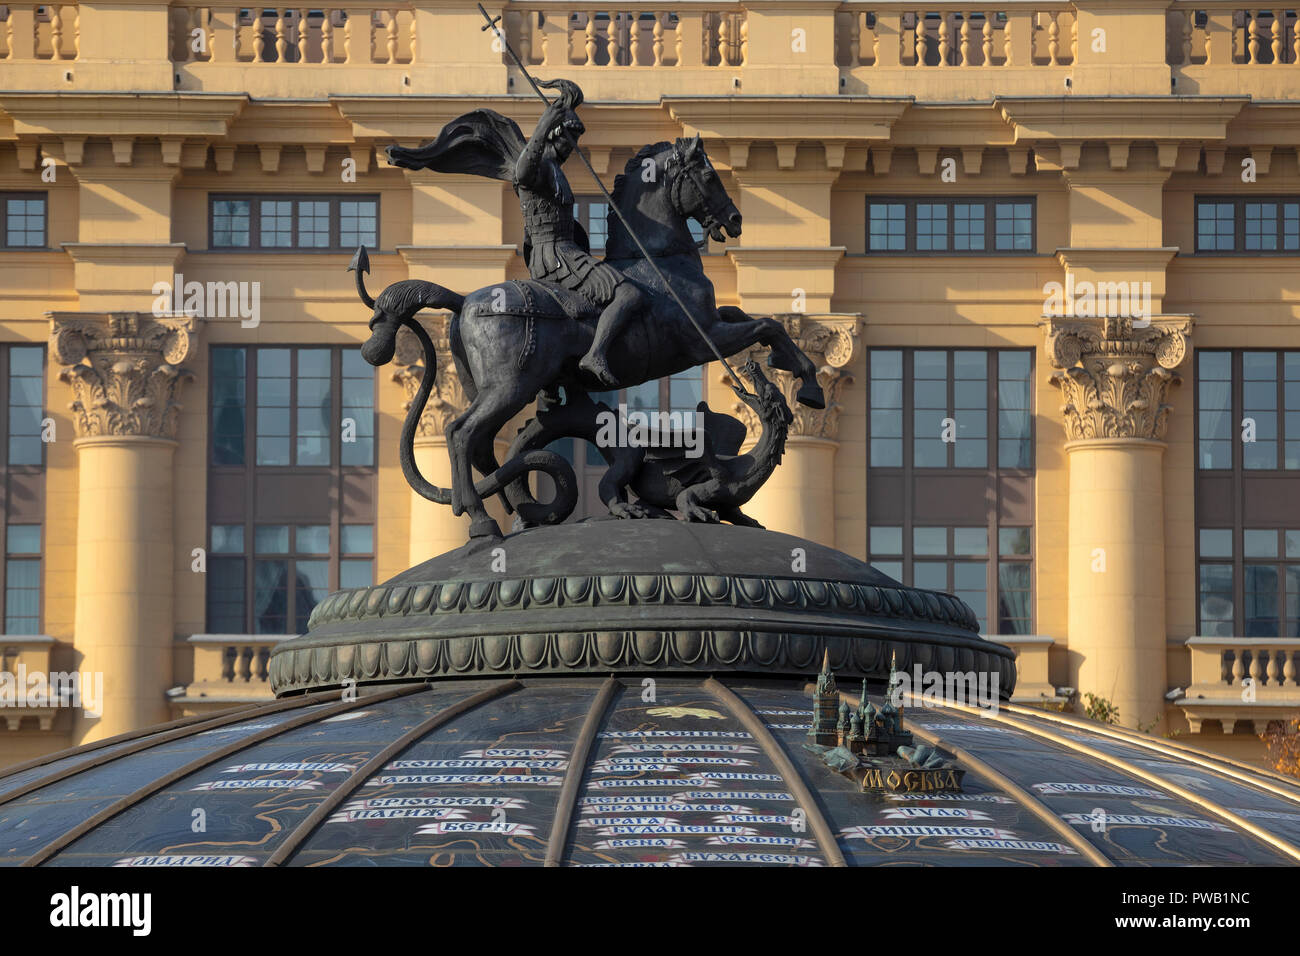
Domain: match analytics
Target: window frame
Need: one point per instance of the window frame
(7, 471)
(1239, 203)
(990, 204)
(250, 556)
(255, 199)
(1239, 562)
(28, 195)
(251, 408)
(1237, 413)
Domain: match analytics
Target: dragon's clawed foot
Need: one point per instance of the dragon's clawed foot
(630, 509)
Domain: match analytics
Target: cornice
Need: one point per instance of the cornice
(786, 255)
(124, 252)
(851, 119)
(122, 114)
(1134, 118)
(460, 255)
(1113, 258)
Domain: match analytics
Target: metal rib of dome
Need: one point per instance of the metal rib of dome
(584, 771)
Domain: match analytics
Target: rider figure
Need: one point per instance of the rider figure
(554, 254)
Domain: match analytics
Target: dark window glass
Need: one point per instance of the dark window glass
(970, 225)
(306, 223)
(231, 220)
(886, 227)
(1248, 225)
(1014, 228)
(358, 222)
(229, 386)
(24, 221)
(26, 404)
(225, 580)
(358, 435)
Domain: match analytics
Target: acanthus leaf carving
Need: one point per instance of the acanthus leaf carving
(124, 370)
(1115, 373)
(447, 401)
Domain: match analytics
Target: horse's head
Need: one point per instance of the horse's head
(697, 191)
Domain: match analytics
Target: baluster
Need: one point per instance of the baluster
(302, 35)
(1238, 668)
(1288, 668)
(875, 41)
(281, 39)
(744, 39)
(724, 36)
(1253, 32)
(263, 664)
(1225, 667)
(658, 46)
(415, 39)
(634, 58)
(1007, 56)
(1277, 37)
(591, 39)
(76, 34)
(327, 37)
(392, 36)
(56, 33)
(1189, 20)
(237, 43)
(613, 40)
(988, 39)
(525, 38)
(1256, 668)
(1272, 670)
(965, 40)
(1295, 44)
(195, 24)
(678, 37)
(1074, 39)
(920, 38)
(228, 657)
(1053, 39)
(943, 39)
(855, 39)
(259, 42)
(245, 663)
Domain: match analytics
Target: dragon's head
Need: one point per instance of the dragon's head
(767, 402)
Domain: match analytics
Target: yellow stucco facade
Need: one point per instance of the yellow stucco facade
(1111, 117)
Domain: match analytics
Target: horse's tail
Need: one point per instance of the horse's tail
(561, 472)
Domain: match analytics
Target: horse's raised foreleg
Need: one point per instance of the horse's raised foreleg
(786, 355)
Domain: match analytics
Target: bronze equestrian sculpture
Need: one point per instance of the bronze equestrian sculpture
(518, 339)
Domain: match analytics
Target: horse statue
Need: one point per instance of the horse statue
(515, 340)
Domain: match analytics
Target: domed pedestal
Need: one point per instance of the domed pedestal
(614, 596)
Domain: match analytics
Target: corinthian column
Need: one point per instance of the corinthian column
(799, 498)
(1115, 378)
(125, 374)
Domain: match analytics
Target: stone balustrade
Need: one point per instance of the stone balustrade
(228, 669)
(1242, 678)
(944, 50)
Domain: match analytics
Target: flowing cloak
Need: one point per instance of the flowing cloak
(482, 143)
(485, 143)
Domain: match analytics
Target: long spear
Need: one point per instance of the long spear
(736, 380)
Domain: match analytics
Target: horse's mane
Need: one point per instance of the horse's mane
(621, 179)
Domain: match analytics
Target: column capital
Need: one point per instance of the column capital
(831, 341)
(447, 400)
(1115, 373)
(124, 370)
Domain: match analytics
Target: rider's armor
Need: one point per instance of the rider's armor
(555, 255)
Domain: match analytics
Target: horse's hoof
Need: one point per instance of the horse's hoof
(484, 528)
(811, 395)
